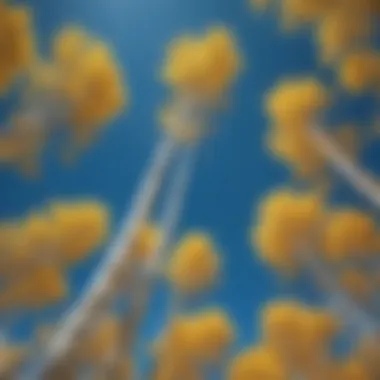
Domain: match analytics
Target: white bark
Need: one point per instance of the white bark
(361, 181)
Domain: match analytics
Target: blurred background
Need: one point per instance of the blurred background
(233, 169)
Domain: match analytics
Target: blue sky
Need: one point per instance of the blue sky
(233, 168)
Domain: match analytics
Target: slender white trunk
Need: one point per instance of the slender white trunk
(101, 288)
(173, 206)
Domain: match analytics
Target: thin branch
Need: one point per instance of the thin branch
(358, 178)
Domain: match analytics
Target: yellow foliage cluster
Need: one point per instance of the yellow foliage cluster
(16, 43)
(81, 228)
(359, 71)
(299, 334)
(36, 250)
(37, 288)
(81, 87)
(287, 221)
(291, 224)
(293, 106)
(69, 45)
(298, 152)
(295, 102)
(204, 66)
(194, 265)
(257, 363)
(200, 70)
(213, 334)
(295, 340)
(349, 233)
(341, 29)
(193, 340)
(91, 80)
